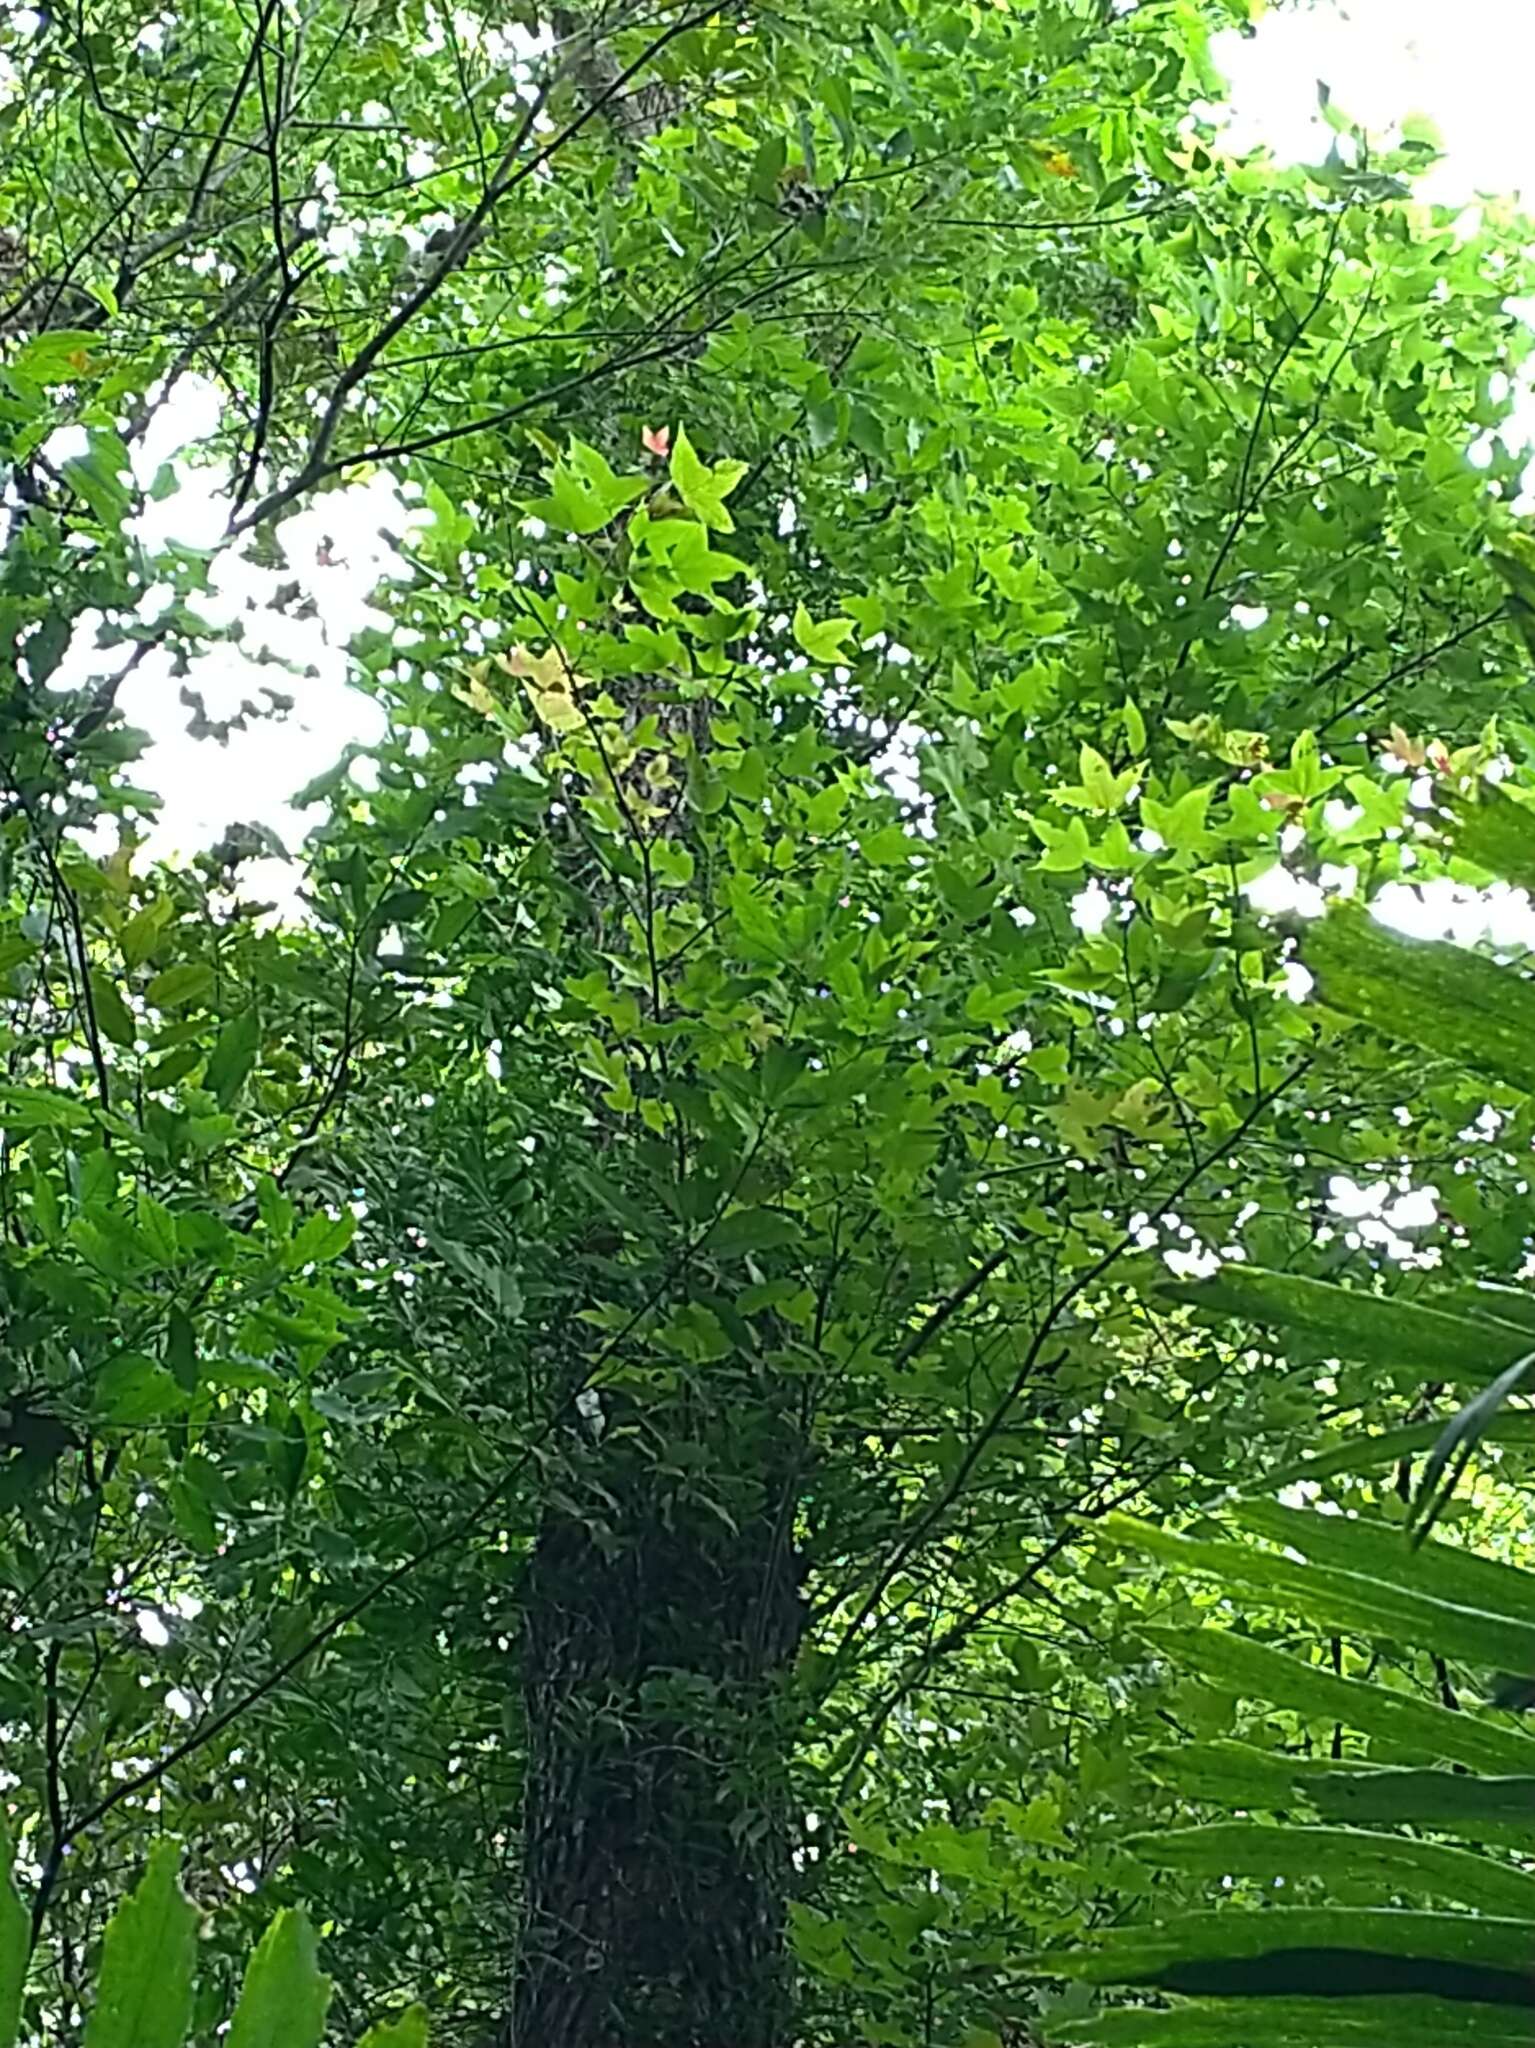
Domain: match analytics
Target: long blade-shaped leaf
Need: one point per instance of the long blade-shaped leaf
(1236, 1664)
(1489, 1301)
(144, 1996)
(284, 1998)
(1496, 833)
(1404, 1868)
(1462, 1433)
(1363, 1452)
(1429, 994)
(1448, 1800)
(1440, 1572)
(1235, 1774)
(1336, 1599)
(1352, 1324)
(1302, 2023)
(1227, 1773)
(14, 1942)
(1171, 1948)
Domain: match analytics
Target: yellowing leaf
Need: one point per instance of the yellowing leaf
(477, 697)
(1410, 752)
(551, 684)
(557, 709)
(549, 670)
(1139, 1110)
(1242, 749)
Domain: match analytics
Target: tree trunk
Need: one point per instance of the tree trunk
(661, 1612)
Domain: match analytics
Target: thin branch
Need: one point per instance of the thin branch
(455, 1532)
(1413, 664)
(927, 1518)
(512, 171)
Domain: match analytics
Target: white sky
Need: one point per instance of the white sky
(1467, 65)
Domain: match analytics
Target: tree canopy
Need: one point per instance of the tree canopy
(670, 1357)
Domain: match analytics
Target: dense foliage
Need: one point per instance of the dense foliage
(566, 1329)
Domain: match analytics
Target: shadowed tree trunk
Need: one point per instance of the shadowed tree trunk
(656, 1639)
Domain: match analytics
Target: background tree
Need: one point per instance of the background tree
(553, 1398)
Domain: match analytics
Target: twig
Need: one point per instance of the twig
(927, 1518)
(512, 171)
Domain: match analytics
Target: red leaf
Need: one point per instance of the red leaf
(658, 440)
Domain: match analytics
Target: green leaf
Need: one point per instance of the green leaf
(175, 1066)
(1101, 788)
(751, 1230)
(144, 1989)
(1180, 825)
(1365, 1452)
(585, 495)
(112, 1013)
(1333, 1855)
(141, 934)
(62, 355)
(274, 1207)
(767, 165)
(289, 1454)
(823, 641)
(1458, 1440)
(1441, 999)
(180, 1354)
(1235, 1774)
(1067, 849)
(233, 1056)
(1454, 1802)
(1340, 1600)
(1163, 1955)
(35, 1109)
(1227, 1773)
(1378, 2022)
(284, 1998)
(180, 986)
(15, 1942)
(320, 1238)
(1253, 1670)
(408, 2031)
(133, 1390)
(702, 489)
(1442, 1571)
(156, 1230)
(98, 476)
(1496, 832)
(192, 1514)
(1377, 1329)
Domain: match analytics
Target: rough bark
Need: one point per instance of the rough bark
(656, 1637)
